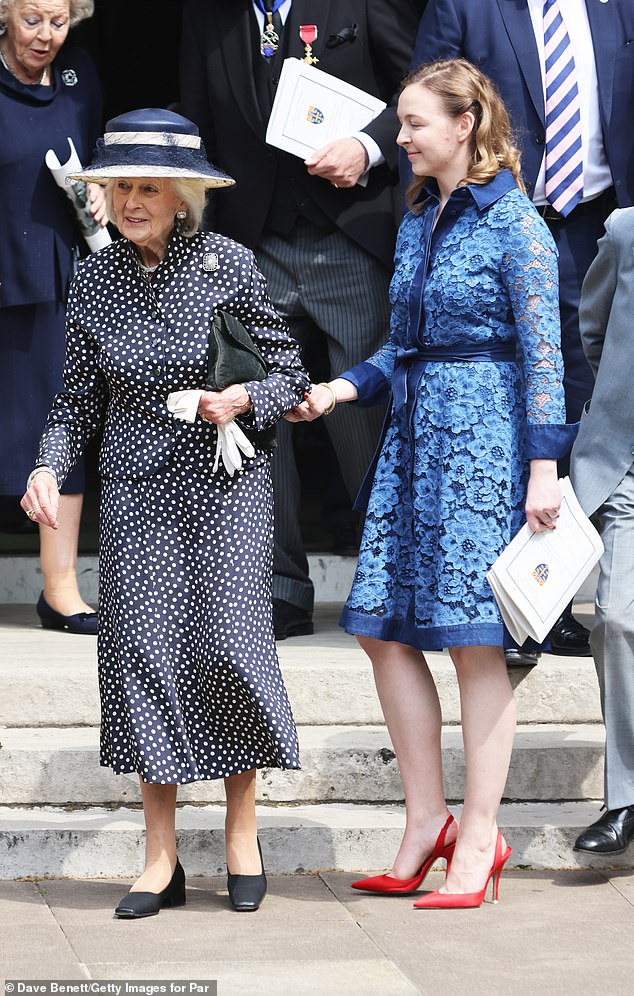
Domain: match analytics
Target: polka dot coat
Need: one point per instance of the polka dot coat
(189, 679)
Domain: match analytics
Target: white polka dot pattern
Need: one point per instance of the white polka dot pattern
(129, 343)
(189, 679)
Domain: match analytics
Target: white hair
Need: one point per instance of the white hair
(79, 11)
(190, 191)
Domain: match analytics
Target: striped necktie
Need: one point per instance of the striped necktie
(564, 154)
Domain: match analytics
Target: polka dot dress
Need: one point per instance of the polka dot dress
(189, 679)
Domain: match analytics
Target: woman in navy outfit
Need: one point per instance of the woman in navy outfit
(470, 448)
(47, 95)
(189, 678)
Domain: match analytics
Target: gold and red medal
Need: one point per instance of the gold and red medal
(309, 34)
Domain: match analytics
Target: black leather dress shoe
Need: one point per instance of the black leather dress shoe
(246, 892)
(611, 834)
(290, 620)
(80, 622)
(520, 658)
(139, 904)
(568, 637)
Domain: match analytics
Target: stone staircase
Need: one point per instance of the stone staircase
(63, 815)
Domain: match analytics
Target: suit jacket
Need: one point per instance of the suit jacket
(130, 343)
(497, 35)
(604, 448)
(218, 92)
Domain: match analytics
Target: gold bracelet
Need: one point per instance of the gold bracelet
(331, 408)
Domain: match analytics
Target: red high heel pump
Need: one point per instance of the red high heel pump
(469, 900)
(401, 886)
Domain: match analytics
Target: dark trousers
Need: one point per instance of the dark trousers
(333, 295)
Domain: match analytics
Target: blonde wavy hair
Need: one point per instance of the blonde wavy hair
(79, 11)
(461, 88)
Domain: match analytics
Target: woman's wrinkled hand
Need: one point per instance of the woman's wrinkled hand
(41, 500)
(543, 497)
(313, 406)
(97, 203)
(221, 407)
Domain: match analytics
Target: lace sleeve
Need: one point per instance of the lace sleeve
(530, 274)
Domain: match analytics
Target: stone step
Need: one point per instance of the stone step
(55, 766)
(98, 843)
(21, 578)
(49, 678)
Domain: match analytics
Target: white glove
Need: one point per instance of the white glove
(231, 440)
(184, 404)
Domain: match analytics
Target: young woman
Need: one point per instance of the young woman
(477, 418)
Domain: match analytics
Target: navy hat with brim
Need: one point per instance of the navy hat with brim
(152, 142)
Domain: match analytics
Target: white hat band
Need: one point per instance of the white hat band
(166, 138)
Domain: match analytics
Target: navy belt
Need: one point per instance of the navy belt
(410, 363)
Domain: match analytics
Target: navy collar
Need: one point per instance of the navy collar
(483, 194)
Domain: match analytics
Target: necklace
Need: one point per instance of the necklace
(43, 78)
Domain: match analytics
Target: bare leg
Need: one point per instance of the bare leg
(241, 828)
(488, 727)
(410, 704)
(159, 811)
(58, 557)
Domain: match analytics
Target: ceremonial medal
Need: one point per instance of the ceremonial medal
(308, 34)
(269, 39)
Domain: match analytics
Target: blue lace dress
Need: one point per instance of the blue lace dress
(474, 367)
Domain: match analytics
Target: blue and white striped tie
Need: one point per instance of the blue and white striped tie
(564, 154)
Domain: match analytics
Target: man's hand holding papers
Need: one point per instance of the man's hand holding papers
(342, 162)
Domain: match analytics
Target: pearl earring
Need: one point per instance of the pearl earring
(181, 218)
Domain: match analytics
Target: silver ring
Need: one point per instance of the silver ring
(31, 513)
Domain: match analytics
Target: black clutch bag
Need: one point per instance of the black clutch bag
(233, 358)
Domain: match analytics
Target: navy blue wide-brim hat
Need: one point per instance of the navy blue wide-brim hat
(152, 142)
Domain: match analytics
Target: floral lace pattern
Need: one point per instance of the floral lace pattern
(450, 484)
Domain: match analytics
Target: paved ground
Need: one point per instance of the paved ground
(561, 933)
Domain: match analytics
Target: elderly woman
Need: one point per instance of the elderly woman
(48, 94)
(470, 448)
(189, 679)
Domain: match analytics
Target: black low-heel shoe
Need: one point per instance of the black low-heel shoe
(138, 904)
(246, 892)
(81, 622)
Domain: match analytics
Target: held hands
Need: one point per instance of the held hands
(41, 500)
(341, 162)
(221, 407)
(97, 203)
(543, 497)
(313, 406)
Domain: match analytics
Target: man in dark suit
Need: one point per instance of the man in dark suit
(324, 242)
(514, 43)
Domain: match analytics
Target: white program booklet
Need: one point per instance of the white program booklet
(96, 237)
(539, 573)
(312, 108)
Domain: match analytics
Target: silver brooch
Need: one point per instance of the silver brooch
(69, 77)
(210, 261)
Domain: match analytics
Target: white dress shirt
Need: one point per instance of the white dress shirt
(596, 172)
(375, 156)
